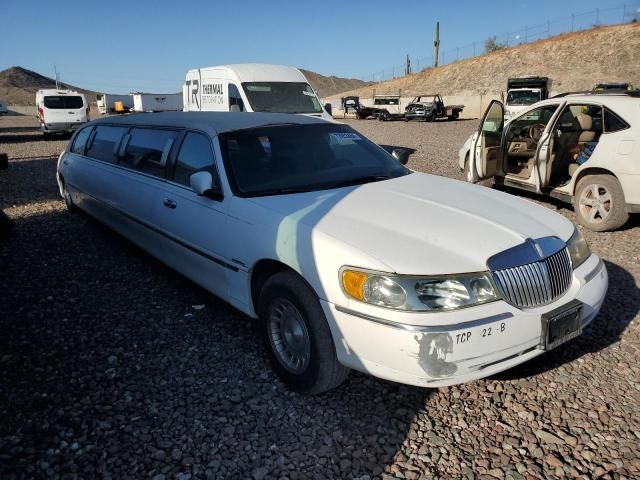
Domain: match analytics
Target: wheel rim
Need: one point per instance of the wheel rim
(289, 336)
(595, 203)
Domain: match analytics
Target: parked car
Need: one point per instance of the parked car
(582, 149)
(60, 111)
(251, 87)
(347, 258)
(429, 108)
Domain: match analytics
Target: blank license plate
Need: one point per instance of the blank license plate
(562, 325)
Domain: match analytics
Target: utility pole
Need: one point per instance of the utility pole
(436, 45)
(56, 72)
(407, 67)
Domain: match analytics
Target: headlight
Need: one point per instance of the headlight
(412, 293)
(578, 249)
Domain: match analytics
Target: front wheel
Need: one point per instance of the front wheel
(297, 336)
(599, 203)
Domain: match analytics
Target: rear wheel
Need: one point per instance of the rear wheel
(297, 336)
(599, 203)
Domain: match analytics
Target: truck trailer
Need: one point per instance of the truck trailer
(157, 102)
(106, 102)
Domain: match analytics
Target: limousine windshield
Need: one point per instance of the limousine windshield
(298, 158)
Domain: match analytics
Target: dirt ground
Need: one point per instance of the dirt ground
(111, 368)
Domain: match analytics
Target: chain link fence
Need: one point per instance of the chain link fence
(528, 34)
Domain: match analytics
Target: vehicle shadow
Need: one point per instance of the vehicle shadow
(620, 307)
(28, 138)
(28, 171)
(33, 128)
(115, 355)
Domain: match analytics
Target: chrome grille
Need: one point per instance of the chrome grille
(536, 283)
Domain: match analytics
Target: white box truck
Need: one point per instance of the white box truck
(251, 87)
(524, 91)
(106, 102)
(60, 111)
(157, 102)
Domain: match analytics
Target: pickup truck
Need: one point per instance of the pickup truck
(429, 108)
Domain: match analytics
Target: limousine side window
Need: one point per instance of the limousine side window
(105, 141)
(148, 150)
(81, 140)
(195, 156)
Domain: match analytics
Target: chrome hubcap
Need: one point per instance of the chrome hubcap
(289, 336)
(595, 203)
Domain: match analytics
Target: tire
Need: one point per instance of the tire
(66, 196)
(433, 117)
(599, 203)
(47, 136)
(297, 337)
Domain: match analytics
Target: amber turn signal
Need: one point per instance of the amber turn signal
(353, 283)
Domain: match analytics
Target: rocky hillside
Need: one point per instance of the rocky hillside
(574, 61)
(18, 86)
(331, 85)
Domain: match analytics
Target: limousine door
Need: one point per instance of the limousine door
(193, 225)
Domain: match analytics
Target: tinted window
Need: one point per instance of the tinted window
(288, 159)
(612, 122)
(64, 101)
(81, 140)
(148, 150)
(235, 98)
(105, 141)
(195, 156)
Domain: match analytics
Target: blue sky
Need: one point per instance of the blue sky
(121, 46)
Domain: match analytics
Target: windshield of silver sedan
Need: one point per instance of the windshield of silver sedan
(283, 159)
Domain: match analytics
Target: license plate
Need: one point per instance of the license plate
(561, 325)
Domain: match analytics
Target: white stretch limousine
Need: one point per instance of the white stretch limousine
(348, 258)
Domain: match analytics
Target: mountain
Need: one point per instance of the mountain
(332, 85)
(18, 86)
(574, 61)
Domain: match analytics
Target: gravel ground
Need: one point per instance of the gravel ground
(113, 366)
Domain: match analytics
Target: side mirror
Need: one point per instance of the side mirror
(401, 154)
(328, 108)
(202, 184)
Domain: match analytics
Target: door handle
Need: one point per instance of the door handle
(167, 202)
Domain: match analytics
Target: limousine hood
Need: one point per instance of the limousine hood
(421, 224)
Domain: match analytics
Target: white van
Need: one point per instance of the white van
(61, 111)
(250, 87)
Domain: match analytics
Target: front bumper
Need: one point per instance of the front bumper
(439, 349)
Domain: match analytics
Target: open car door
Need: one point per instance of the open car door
(486, 152)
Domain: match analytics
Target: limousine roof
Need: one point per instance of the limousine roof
(211, 122)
